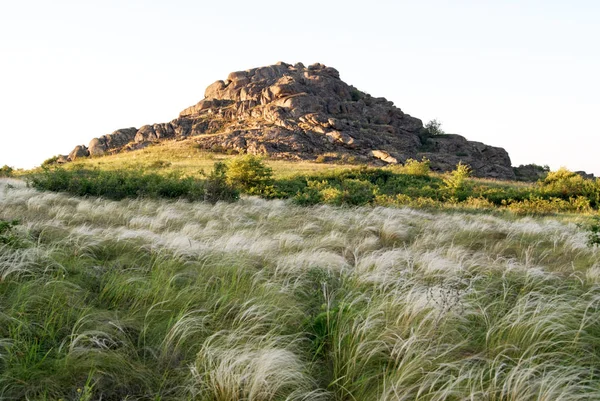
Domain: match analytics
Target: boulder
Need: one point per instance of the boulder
(385, 156)
(117, 140)
(78, 152)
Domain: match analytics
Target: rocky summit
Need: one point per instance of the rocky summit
(295, 112)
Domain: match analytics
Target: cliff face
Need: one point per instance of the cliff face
(297, 112)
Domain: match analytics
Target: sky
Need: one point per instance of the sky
(523, 75)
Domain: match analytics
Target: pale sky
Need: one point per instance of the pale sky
(523, 75)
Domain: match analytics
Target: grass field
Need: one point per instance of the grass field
(183, 156)
(179, 169)
(264, 300)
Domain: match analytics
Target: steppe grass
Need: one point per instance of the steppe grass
(264, 300)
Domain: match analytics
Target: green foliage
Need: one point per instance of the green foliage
(456, 180)
(539, 206)
(6, 171)
(249, 173)
(593, 232)
(351, 192)
(52, 161)
(355, 95)
(216, 187)
(434, 127)
(118, 184)
(414, 167)
(562, 176)
(409, 185)
(7, 235)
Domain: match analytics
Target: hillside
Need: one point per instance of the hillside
(293, 112)
(264, 300)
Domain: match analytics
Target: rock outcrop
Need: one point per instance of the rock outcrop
(530, 172)
(296, 112)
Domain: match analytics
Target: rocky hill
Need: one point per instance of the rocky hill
(300, 113)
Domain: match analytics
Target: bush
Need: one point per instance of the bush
(414, 167)
(455, 182)
(249, 174)
(434, 127)
(539, 206)
(6, 232)
(478, 203)
(216, 187)
(118, 184)
(50, 162)
(311, 194)
(6, 171)
(593, 232)
(350, 191)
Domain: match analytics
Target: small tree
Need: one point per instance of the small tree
(216, 187)
(434, 127)
(249, 173)
(456, 180)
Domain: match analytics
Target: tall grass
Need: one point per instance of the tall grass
(264, 300)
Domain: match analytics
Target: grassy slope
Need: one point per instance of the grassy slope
(263, 300)
(183, 156)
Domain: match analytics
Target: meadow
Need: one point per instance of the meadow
(160, 171)
(175, 299)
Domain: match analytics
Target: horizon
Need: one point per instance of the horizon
(517, 76)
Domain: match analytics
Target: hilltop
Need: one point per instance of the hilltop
(293, 112)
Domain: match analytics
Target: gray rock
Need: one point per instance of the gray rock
(530, 172)
(78, 152)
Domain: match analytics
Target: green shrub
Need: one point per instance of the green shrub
(350, 191)
(478, 203)
(249, 173)
(355, 95)
(6, 171)
(414, 167)
(456, 180)
(434, 127)
(118, 184)
(50, 162)
(357, 192)
(216, 187)
(310, 194)
(580, 204)
(539, 206)
(7, 235)
(593, 232)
